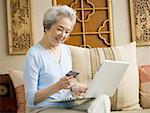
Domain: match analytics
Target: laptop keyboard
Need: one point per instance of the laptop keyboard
(73, 98)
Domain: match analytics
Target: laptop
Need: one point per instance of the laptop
(105, 81)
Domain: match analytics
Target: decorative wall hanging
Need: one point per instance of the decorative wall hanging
(94, 23)
(19, 26)
(140, 21)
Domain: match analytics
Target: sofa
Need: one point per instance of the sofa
(132, 94)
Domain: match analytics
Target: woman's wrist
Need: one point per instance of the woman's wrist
(57, 86)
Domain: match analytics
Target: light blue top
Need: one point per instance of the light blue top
(41, 70)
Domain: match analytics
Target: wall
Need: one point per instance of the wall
(6, 61)
(16, 61)
(38, 9)
(121, 28)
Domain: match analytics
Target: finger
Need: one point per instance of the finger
(69, 77)
(69, 87)
(64, 79)
(83, 90)
(78, 93)
(66, 84)
(69, 81)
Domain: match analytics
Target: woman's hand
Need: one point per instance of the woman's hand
(65, 82)
(78, 90)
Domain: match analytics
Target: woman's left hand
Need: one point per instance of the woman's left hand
(78, 90)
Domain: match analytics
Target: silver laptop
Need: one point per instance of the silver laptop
(105, 81)
(107, 78)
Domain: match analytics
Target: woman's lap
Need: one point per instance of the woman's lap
(82, 106)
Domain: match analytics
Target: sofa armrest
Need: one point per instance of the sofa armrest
(8, 101)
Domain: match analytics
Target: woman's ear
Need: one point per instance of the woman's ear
(45, 30)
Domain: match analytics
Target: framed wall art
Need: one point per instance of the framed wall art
(140, 21)
(19, 26)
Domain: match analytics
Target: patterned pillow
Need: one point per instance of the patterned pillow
(87, 61)
(17, 79)
(144, 72)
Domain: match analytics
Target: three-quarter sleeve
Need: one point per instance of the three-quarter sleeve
(31, 74)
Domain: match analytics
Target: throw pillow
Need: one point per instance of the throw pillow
(87, 61)
(144, 73)
(17, 79)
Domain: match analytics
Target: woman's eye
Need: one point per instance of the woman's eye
(59, 29)
(67, 32)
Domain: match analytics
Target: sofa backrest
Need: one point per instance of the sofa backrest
(87, 61)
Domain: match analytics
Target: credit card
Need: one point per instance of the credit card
(72, 73)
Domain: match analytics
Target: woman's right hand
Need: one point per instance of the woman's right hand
(65, 82)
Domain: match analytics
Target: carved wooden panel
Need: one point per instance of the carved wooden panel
(19, 26)
(94, 24)
(140, 20)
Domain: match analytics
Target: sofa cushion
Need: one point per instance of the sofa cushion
(87, 61)
(17, 79)
(144, 72)
(133, 111)
(57, 110)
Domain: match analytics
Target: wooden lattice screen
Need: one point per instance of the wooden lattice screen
(94, 25)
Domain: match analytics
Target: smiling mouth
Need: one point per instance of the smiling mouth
(59, 40)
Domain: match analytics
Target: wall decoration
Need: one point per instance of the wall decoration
(140, 21)
(19, 26)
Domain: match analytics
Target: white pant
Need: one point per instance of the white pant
(98, 105)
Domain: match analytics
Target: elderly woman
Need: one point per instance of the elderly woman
(47, 63)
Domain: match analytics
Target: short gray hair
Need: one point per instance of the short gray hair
(52, 15)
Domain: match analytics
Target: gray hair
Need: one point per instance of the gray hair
(53, 14)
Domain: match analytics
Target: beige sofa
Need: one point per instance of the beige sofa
(87, 61)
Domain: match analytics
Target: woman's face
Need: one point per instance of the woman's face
(59, 31)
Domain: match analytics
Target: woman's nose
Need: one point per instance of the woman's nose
(64, 35)
(61, 36)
